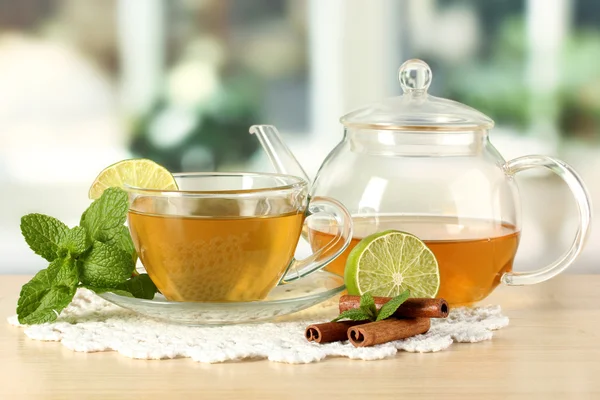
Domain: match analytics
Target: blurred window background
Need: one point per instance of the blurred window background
(86, 83)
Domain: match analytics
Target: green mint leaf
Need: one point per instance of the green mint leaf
(140, 286)
(356, 314)
(105, 266)
(43, 234)
(63, 272)
(98, 290)
(32, 294)
(367, 304)
(122, 240)
(76, 241)
(48, 293)
(105, 216)
(50, 305)
(391, 306)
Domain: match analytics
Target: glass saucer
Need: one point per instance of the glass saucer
(283, 300)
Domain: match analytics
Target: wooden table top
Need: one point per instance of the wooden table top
(551, 349)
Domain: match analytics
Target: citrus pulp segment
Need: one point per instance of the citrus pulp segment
(387, 263)
(138, 172)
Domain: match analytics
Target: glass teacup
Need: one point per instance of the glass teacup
(229, 236)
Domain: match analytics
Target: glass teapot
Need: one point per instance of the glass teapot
(425, 165)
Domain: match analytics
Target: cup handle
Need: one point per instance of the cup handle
(582, 199)
(320, 205)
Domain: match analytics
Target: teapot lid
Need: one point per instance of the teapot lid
(415, 109)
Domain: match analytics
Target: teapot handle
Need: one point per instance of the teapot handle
(320, 258)
(582, 199)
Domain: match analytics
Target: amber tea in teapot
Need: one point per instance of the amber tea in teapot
(472, 255)
(426, 165)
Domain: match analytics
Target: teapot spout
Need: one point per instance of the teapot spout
(280, 155)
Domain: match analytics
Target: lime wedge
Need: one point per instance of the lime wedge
(387, 263)
(138, 172)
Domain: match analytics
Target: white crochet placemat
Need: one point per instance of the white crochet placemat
(91, 324)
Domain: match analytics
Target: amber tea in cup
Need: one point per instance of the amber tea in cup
(233, 240)
(472, 254)
(203, 258)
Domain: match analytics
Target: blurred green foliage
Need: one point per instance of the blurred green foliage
(579, 93)
(498, 87)
(220, 128)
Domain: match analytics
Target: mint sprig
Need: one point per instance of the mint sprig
(105, 265)
(389, 308)
(43, 234)
(98, 255)
(105, 216)
(50, 289)
(367, 310)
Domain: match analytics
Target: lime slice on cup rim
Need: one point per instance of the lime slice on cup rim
(389, 262)
(138, 172)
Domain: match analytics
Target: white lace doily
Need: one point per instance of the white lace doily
(92, 324)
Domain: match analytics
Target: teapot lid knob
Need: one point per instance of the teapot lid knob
(414, 76)
(415, 109)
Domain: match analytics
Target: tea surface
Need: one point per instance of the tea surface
(215, 259)
(472, 254)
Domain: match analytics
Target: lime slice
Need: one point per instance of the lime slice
(138, 172)
(387, 263)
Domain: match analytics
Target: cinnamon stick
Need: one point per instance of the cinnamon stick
(411, 308)
(330, 331)
(387, 330)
